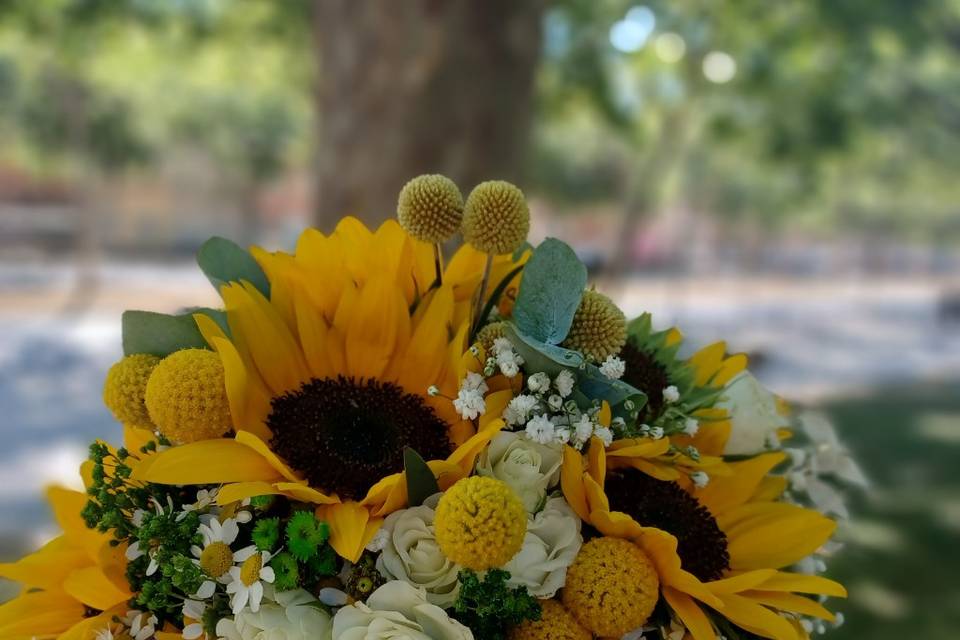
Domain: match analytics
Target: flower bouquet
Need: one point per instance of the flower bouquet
(366, 442)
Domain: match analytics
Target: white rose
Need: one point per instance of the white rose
(411, 554)
(530, 468)
(397, 610)
(550, 546)
(753, 413)
(294, 616)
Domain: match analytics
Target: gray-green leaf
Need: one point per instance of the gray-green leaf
(160, 334)
(421, 484)
(550, 292)
(223, 261)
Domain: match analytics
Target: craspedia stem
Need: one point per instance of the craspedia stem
(481, 293)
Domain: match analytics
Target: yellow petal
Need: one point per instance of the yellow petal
(237, 491)
(770, 535)
(48, 567)
(421, 365)
(209, 328)
(790, 602)
(770, 489)
(756, 619)
(302, 492)
(803, 583)
(351, 528)
(740, 581)
(466, 454)
(248, 397)
(258, 445)
(638, 448)
(39, 613)
(496, 402)
(730, 367)
(67, 506)
(726, 492)
(571, 482)
(273, 348)
(378, 325)
(605, 415)
(312, 329)
(690, 614)
(597, 461)
(706, 362)
(208, 462)
(93, 588)
(87, 629)
(134, 438)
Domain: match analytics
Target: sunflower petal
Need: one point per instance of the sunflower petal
(803, 583)
(420, 365)
(351, 528)
(377, 323)
(756, 619)
(735, 489)
(571, 482)
(690, 614)
(93, 588)
(304, 493)
(257, 444)
(790, 602)
(237, 491)
(208, 462)
(39, 613)
(248, 398)
(770, 535)
(740, 581)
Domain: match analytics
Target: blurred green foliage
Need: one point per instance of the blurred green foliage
(839, 115)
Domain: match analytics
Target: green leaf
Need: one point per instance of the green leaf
(421, 484)
(597, 386)
(540, 356)
(223, 261)
(550, 292)
(160, 334)
(494, 299)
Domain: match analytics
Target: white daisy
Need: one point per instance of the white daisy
(140, 624)
(193, 610)
(248, 578)
(215, 557)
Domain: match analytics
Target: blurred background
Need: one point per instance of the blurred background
(782, 175)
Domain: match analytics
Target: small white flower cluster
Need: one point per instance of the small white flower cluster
(613, 368)
(505, 358)
(469, 402)
(547, 415)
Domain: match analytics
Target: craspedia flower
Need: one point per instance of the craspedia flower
(555, 623)
(496, 218)
(612, 587)
(599, 328)
(125, 387)
(488, 334)
(480, 523)
(186, 396)
(430, 208)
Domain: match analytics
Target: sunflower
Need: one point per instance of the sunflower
(722, 546)
(682, 398)
(327, 380)
(74, 584)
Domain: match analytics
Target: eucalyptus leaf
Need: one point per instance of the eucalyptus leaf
(598, 386)
(421, 483)
(550, 292)
(540, 356)
(160, 334)
(224, 261)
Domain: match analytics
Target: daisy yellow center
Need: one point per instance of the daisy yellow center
(250, 570)
(216, 559)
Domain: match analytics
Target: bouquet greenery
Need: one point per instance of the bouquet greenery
(366, 442)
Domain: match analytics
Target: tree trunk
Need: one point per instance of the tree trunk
(420, 86)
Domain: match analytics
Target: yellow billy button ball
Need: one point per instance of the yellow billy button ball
(599, 328)
(496, 218)
(187, 398)
(125, 387)
(480, 523)
(555, 623)
(612, 587)
(430, 208)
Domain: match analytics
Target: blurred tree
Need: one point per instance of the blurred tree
(420, 87)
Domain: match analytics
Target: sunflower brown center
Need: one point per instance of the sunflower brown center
(701, 544)
(344, 434)
(646, 374)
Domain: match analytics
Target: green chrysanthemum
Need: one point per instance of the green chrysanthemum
(305, 534)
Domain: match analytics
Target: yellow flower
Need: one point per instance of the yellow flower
(612, 587)
(480, 523)
(70, 575)
(186, 397)
(555, 623)
(327, 379)
(125, 388)
(760, 537)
